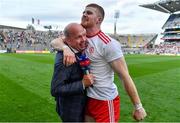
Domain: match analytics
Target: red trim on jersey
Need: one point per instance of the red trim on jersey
(104, 37)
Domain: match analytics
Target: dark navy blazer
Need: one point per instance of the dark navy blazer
(67, 88)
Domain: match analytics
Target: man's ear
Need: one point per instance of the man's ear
(100, 20)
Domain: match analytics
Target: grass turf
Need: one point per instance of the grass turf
(25, 87)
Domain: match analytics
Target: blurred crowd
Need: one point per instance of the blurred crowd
(27, 39)
(168, 48)
(12, 40)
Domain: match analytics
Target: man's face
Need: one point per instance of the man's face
(78, 39)
(90, 17)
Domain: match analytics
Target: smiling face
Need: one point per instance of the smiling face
(76, 37)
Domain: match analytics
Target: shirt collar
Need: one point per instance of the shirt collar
(74, 50)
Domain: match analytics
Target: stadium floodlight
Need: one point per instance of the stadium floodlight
(116, 16)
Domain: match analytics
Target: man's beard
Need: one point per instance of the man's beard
(85, 23)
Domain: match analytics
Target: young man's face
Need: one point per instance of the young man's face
(90, 17)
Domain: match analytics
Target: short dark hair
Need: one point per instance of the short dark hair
(100, 9)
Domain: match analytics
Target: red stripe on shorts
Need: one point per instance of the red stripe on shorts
(104, 111)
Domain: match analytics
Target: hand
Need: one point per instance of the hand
(88, 80)
(139, 114)
(69, 57)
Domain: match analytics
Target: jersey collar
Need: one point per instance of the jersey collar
(93, 35)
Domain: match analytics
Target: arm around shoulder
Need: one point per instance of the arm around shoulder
(68, 57)
(57, 44)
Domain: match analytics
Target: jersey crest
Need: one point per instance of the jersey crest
(91, 50)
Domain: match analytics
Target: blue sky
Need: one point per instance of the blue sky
(133, 18)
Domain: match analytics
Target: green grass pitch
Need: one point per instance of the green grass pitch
(25, 88)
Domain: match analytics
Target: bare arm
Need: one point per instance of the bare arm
(69, 56)
(120, 67)
(57, 43)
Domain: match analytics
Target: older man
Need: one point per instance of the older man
(68, 82)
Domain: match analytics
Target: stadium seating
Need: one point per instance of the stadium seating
(26, 39)
(135, 43)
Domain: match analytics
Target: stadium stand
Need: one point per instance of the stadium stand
(28, 40)
(135, 43)
(15, 39)
(171, 34)
(166, 6)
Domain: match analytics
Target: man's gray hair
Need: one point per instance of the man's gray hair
(66, 32)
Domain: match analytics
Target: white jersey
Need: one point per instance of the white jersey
(101, 50)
